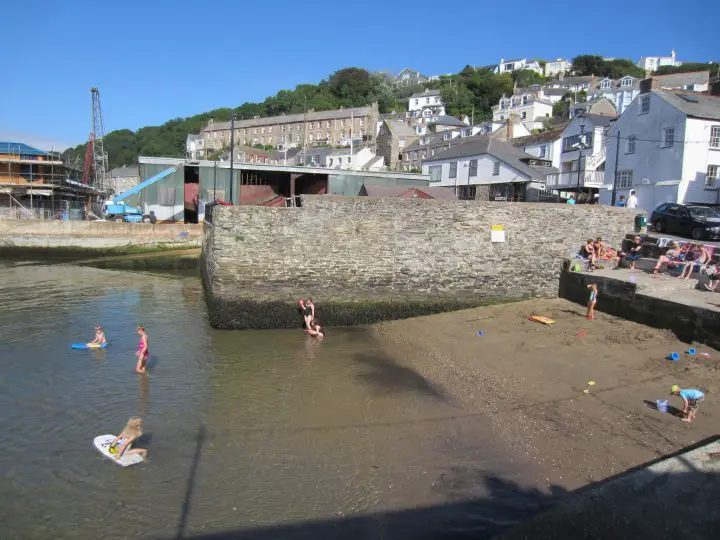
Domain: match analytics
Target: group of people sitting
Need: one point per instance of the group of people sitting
(310, 323)
(594, 251)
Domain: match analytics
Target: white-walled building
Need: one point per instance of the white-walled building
(508, 66)
(669, 148)
(482, 167)
(546, 145)
(652, 63)
(556, 67)
(582, 154)
(195, 146)
(425, 105)
(528, 106)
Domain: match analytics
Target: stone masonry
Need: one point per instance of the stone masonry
(365, 259)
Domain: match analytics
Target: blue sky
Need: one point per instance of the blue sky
(158, 59)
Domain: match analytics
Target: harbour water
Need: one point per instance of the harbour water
(251, 434)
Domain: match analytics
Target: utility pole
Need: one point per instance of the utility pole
(304, 131)
(232, 158)
(352, 121)
(617, 158)
(581, 147)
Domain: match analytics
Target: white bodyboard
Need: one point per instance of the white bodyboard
(103, 442)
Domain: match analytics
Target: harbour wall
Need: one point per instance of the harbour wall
(364, 259)
(94, 235)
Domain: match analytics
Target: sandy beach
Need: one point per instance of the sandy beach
(528, 378)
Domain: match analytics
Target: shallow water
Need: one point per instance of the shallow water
(254, 434)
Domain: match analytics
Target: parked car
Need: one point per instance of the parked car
(699, 222)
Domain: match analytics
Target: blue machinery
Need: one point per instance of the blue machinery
(117, 210)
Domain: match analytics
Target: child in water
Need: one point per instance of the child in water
(99, 337)
(591, 301)
(130, 433)
(143, 351)
(692, 399)
(315, 329)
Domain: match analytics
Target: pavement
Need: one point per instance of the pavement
(652, 234)
(676, 497)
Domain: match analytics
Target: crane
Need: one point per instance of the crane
(96, 159)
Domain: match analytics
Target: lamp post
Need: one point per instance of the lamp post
(232, 157)
(581, 145)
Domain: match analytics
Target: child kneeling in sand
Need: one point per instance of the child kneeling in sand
(130, 433)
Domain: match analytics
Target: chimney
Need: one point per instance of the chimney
(510, 126)
(649, 84)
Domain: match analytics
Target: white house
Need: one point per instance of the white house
(426, 104)
(546, 145)
(621, 91)
(669, 148)
(483, 164)
(582, 154)
(652, 63)
(409, 76)
(529, 107)
(508, 66)
(195, 146)
(556, 67)
(571, 84)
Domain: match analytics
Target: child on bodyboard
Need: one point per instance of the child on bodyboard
(130, 433)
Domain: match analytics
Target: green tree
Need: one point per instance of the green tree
(524, 78)
(587, 64)
(712, 67)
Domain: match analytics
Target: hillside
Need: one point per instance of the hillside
(471, 91)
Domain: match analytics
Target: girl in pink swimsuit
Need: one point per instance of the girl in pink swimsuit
(143, 351)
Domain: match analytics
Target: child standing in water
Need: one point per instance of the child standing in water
(130, 433)
(99, 337)
(591, 301)
(143, 351)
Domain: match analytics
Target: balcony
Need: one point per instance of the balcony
(589, 179)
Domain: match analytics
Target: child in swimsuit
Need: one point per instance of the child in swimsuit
(591, 301)
(316, 329)
(130, 433)
(143, 351)
(99, 337)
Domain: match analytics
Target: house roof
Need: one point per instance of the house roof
(398, 127)
(677, 80)
(8, 147)
(439, 192)
(446, 120)
(507, 153)
(600, 120)
(692, 104)
(555, 91)
(425, 93)
(125, 172)
(288, 118)
(544, 137)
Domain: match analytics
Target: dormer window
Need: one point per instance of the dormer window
(524, 100)
(605, 84)
(626, 82)
(447, 136)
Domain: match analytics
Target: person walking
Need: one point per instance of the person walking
(632, 200)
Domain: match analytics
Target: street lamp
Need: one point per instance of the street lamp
(581, 145)
(232, 156)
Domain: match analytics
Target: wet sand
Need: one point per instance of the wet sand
(528, 379)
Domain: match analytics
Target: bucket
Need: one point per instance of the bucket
(691, 351)
(673, 356)
(662, 405)
(480, 333)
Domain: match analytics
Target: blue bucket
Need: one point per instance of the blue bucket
(691, 351)
(673, 356)
(480, 333)
(662, 405)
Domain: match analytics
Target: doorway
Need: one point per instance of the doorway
(191, 198)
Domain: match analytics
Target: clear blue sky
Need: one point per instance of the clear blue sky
(158, 59)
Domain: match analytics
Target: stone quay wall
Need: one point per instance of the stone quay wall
(365, 259)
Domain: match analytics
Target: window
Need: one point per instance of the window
(624, 179)
(401, 142)
(473, 167)
(435, 173)
(496, 168)
(668, 137)
(524, 115)
(605, 84)
(347, 160)
(630, 144)
(270, 129)
(330, 162)
(263, 130)
(715, 137)
(524, 100)
(245, 131)
(416, 101)
(362, 121)
(644, 104)
(543, 151)
(447, 136)
(327, 124)
(256, 130)
(453, 169)
(626, 82)
(711, 178)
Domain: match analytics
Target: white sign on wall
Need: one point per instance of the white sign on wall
(497, 233)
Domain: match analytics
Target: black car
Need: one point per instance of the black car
(700, 222)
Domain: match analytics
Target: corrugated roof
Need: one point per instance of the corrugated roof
(7, 147)
(508, 154)
(692, 104)
(130, 171)
(290, 118)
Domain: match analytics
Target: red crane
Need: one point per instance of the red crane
(88, 165)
